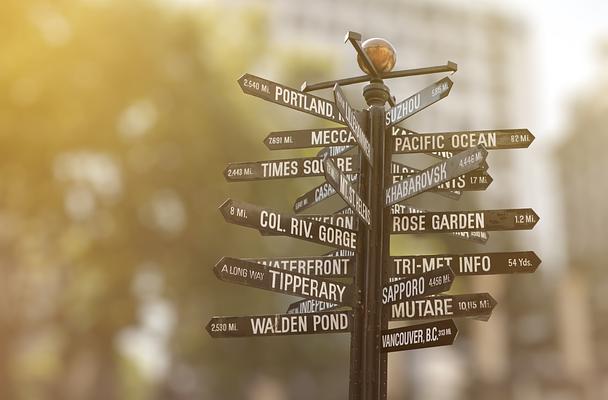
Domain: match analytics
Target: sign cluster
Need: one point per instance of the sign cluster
(416, 284)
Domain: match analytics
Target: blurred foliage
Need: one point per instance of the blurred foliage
(116, 121)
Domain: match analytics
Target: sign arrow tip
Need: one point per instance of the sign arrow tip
(224, 207)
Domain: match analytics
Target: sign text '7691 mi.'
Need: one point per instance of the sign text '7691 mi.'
(435, 175)
(287, 168)
(306, 138)
(262, 219)
(352, 122)
(288, 97)
(419, 101)
(242, 272)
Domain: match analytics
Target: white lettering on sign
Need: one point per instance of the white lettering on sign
(403, 289)
(279, 324)
(306, 286)
(325, 137)
(337, 236)
(411, 185)
(297, 99)
(310, 266)
(423, 308)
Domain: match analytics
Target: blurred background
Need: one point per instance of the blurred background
(117, 119)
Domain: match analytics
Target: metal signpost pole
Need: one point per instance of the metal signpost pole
(376, 95)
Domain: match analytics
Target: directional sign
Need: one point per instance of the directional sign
(342, 184)
(419, 101)
(471, 181)
(318, 194)
(454, 221)
(306, 138)
(309, 306)
(247, 273)
(333, 151)
(435, 175)
(432, 334)
(425, 284)
(288, 97)
(401, 171)
(441, 306)
(263, 219)
(465, 264)
(287, 168)
(475, 236)
(319, 266)
(280, 324)
(352, 122)
(459, 141)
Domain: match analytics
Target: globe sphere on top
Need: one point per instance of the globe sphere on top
(381, 53)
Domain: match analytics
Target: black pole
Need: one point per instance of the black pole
(376, 242)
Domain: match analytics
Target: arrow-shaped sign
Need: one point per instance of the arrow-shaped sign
(247, 273)
(306, 138)
(459, 141)
(318, 194)
(288, 97)
(413, 287)
(309, 306)
(319, 266)
(342, 185)
(465, 264)
(352, 122)
(471, 181)
(401, 171)
(475, 236)
(262, 219)
(286, 168)
(280, 324)
(455, 221)
(441, 306)
(333, 151)
(435, 175)
(419, 101)
(431, 334)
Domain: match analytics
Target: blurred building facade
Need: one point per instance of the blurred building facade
(582, 164)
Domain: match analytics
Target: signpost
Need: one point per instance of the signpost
(357, 287)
